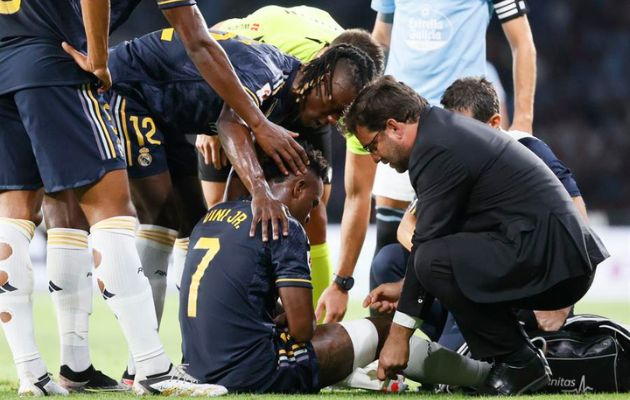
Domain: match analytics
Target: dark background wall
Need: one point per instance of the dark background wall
(583, 93)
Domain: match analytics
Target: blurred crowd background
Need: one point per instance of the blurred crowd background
(582, 107)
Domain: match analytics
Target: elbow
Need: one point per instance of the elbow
(198, 44)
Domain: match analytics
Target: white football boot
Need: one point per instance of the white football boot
(176, 382)
(42, 386)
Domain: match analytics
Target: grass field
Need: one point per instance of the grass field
(109, 352)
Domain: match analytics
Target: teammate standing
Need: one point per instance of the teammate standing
(41, 146)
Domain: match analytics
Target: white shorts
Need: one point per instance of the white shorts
(389, 183)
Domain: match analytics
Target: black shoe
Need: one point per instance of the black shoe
(510, 380)
(89, 380)
(127, 379)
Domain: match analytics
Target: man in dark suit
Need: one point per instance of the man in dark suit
(498, 231)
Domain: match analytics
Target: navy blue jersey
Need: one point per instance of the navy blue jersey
(31, 32)
(229, 290)
(563, 173)
(155, 71)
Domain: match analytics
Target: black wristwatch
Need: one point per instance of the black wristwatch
(344, 282)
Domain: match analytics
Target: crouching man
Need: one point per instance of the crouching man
(231, 331)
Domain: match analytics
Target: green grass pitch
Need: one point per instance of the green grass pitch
(109, 352)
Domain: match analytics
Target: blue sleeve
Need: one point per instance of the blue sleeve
(260, 68)
(290, 258)
(563, 173)
(384, 6)
(166, 4)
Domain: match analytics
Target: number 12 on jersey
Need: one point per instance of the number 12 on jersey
(212, 247)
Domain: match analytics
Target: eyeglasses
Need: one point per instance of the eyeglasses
(371, 147)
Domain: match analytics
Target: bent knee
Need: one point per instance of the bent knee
(389, 264)
(432, 261)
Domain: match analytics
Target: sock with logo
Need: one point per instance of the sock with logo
(179, 258)
(16, 289)
(155, 245)
(69, 268)
(127, 291)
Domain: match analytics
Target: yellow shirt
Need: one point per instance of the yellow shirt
(301, 32)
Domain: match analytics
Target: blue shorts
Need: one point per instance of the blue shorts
(297, 370)
(150, 148)
(57, 137)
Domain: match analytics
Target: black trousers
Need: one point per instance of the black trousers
(490, 329)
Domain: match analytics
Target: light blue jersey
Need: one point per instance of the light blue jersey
(435, 42)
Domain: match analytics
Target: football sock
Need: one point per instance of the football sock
(364, 337)
(69, 268)
(16, 288)
(431, 363)
(179, 259)
(321, 270)
(127, 291)
(155, 245)
(387, 221)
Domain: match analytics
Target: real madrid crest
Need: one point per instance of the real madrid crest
(144, 158)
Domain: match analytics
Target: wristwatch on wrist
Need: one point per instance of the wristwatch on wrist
(344, 282)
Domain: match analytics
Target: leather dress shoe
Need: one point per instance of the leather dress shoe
(510, 380)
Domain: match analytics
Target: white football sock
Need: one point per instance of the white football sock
(69, 267)
(431, 363)
(155, 245)
(179, 259)
(364, 337)
(122, 282)
(16, 288)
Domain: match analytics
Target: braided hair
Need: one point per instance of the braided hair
(359, 66)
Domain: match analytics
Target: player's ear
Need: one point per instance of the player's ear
(298, 188)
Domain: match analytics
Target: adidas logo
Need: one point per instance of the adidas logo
(160, 273)
(52, 287)
(107, 294)
(7, 288)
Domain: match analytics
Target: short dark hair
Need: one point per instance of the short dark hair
(363, 40)
(474, 94)
(360, 67)
(318, 165)
(383, 99)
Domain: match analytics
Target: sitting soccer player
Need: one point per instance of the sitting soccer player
(232, 334)
(476, 98)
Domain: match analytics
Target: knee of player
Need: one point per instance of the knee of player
(431, 261)
(385, 266)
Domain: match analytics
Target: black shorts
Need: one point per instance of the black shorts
(150, 148)
(58, 137)
(320, 141)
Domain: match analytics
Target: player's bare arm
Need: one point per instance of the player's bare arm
(359, 178)
(96, 21)
(298, 309)
(238, 145)
(519, 35)
(382, 31)
(216, 69)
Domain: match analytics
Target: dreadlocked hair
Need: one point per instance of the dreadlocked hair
(359, 66)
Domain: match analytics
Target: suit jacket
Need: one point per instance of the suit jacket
(512, 228)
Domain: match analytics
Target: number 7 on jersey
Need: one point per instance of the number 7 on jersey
(212, 247)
